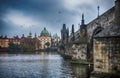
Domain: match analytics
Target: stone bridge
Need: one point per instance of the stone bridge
(100, 23)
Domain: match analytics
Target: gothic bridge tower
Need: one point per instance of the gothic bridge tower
(64, 34)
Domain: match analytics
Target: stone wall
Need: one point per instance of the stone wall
(101, 59)
(107, 54)
(76, 34)
(103, 20)
(79, 51)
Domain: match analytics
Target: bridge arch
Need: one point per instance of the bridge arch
(95, 31)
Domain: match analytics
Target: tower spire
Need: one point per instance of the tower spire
(67, 32)
(22, 35)
(82, 21)
(35, 35)
(72, 28)
(30, 34)
(64, 26)
(98, 10)
(82, 16)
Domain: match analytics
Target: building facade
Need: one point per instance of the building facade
(45, 39)
(15, 40)
(55, 40)
(4, 42)
(28, 43)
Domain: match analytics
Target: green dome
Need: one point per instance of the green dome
(44, 32)
(55, 35)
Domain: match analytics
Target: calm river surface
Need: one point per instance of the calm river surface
(41, 65)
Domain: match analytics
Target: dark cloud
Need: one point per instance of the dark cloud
(50, 13)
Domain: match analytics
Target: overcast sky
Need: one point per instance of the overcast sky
(19, 17)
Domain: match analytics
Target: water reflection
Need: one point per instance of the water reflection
(81, 71)
(40, 65)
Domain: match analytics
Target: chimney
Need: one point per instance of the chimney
(117, 12)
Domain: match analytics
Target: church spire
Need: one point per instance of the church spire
(82, 21)
(23, 35)
(35, 35)
(30, 34)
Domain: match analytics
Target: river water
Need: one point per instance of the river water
(40, 65)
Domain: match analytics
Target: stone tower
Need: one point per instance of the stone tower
(64, 34)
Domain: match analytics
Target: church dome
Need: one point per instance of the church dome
(44, 32)
(55, 35)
